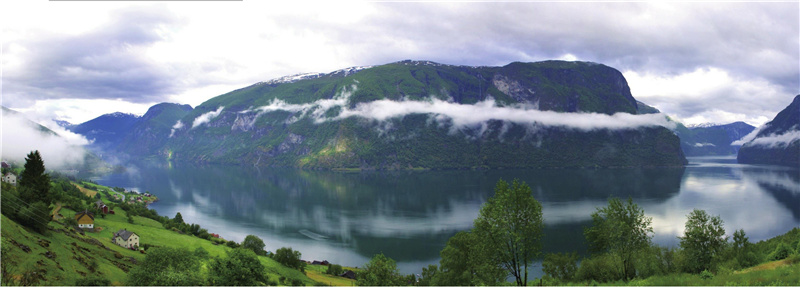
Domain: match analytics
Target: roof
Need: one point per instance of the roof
(81, 214)
(125, 234)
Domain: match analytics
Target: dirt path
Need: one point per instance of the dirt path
(56, 215)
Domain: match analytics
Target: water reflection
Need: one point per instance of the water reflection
(348, 217)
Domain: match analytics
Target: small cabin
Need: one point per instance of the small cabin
(349, 274)
(102, 207)
(85, 219)
(126, 239)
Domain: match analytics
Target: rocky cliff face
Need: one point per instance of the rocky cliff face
(778, 141)
(416, 114)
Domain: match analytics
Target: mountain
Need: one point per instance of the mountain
(421, 114)
(778, 141)
(153, 129)
(709, 139)
(130, 133)
(64, 124)
(108, 130)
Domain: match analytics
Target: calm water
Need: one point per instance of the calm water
(348, 217)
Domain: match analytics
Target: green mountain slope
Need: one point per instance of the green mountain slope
(153, 129)
(415, 114)
(778, 141)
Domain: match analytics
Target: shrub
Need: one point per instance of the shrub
(561, 266)
(780, 252)
(92, 281)
(706, 275)
(232, 244)
(601, 268)
(334, 269)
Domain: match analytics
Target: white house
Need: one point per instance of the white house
(10, 178)
(126, 239)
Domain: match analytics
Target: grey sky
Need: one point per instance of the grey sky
(698, 62)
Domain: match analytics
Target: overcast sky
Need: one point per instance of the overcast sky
(697, 62)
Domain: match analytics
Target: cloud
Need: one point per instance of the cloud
(773, 140)
(21, 136)
(204, 118)
(178, 125)
(748, 137)
(463, 115)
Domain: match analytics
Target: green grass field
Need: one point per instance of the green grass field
(77, 256)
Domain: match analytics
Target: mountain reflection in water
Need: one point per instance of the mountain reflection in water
(346, 218)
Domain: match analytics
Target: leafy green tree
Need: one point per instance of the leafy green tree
(601, 268)
(379, 271)
(463, 262)
(289, 258)
(620, 229)
(240, 268)
(510, 229)
(561, 266)
(703, 241)
(742, 250)
(429, 275)
(254, 243)
(781, 252)
(34, 182)
(166, 266)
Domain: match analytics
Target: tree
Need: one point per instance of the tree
(510, 229)
(620, 229)
(463, 262)
(742, 250)
(289, 258)
(178, 219)
(254, 243)
(35, 216)
(34, 182)
(429, 274)
(166, 266)
(379, 271)
(703, 241)
(240, 268)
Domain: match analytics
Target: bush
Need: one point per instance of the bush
(334, 269)
(240, 268)
(706, 275)
(781, 252)
(601, 268)
(561, 266)
(232, 244)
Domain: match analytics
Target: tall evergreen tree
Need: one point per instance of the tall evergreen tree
(34, 183)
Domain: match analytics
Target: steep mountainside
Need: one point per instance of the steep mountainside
(107, 130)
(778, 141)
(415, 114)
(712, 140)
(153, 129)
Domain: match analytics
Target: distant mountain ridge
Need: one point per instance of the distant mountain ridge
(776, 142)
(712, 139)
(418, 114)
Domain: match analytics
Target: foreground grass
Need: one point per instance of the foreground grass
(317, 273)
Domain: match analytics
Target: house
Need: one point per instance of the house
(85, 219)
(349, 274)
(126, 239)
(10, 178)
(102, 207)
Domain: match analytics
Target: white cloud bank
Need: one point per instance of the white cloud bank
(463, 115)
(205, 118)
(21, 136)
(178, 125)
(781, 140)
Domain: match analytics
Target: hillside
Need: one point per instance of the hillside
(415, 114)
(106, 131)
(778, 141)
